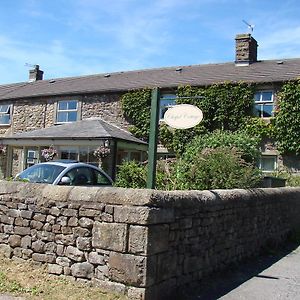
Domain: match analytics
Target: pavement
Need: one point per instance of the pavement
(273, 276)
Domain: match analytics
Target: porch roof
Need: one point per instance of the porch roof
(87, 129)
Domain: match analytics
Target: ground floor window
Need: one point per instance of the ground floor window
(268, 163)
(84, 154)
(127, 155)
(31, 157)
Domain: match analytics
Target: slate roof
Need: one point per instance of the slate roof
(93, 128)
(195, 75)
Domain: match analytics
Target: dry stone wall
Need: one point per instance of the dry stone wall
(145, 244)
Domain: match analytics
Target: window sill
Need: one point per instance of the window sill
(60, 123)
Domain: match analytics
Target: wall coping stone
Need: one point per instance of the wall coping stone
(138, 197)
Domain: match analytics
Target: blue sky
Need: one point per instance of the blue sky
(82, 37)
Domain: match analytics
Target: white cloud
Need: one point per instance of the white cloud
(281, 43)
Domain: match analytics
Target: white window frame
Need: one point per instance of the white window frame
(31, 157)
(68, 110)
(6, 112)
(260, 165)
(163, 107)
(263, 103)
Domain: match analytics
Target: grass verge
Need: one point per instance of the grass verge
(24, 279)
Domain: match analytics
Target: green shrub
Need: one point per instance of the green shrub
(219, 168)
(245, 144)
(134, 175)
(131, 175)
(291, 179)
(221, 160)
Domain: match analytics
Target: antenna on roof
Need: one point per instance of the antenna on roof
(30, 65)
(251, 27)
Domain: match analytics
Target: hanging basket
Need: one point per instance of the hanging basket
(49, 153)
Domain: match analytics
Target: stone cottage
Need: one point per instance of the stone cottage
(47, 112)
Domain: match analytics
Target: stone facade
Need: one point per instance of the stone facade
(145, 244)
(40, 112)
(37, 113)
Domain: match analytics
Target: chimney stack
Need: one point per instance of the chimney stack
(35, 74)
(245, 49)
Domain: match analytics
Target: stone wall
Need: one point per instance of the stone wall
(145, 244)
(39, 113)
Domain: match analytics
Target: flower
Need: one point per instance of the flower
(2, 149)
(49, 153)
(102, 151)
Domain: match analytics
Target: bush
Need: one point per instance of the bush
(131, 174)
(219, 168)
(247, 145)
(134, 175)
(221, 160)
(292, 180)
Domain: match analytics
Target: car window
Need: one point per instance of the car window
(100, 178)
(87, 176)
(43, 173)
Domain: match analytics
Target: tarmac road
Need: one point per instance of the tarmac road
(270, 277)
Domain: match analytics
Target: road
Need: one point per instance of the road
(269, 277)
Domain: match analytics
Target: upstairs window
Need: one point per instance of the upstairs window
(5, 114)
(264, 104)
(67, 111)
(166, 101)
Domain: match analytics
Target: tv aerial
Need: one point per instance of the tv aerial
(251, 27)
(30, 65)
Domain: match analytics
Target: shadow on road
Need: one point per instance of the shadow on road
(220, 284)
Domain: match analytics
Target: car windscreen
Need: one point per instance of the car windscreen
(43, 173)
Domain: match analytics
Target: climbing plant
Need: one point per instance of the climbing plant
(137, 107)
(224, 105)
(287, 121)
(258, 127)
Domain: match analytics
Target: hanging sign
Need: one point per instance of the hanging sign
(183, 116)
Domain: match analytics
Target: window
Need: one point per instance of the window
(87, 176)
(264, 104)
(31, 157)
(268, 163)
(68, 153)
(166, 101)
(5, 114)
(67, 111)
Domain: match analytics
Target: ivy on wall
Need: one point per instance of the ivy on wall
(260, 128)
(137, 109)
(226, 106)
(287, 121)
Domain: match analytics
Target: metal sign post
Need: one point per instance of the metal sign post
(181, 116)
(152, 148)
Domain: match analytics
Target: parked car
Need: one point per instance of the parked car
(65, 173)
